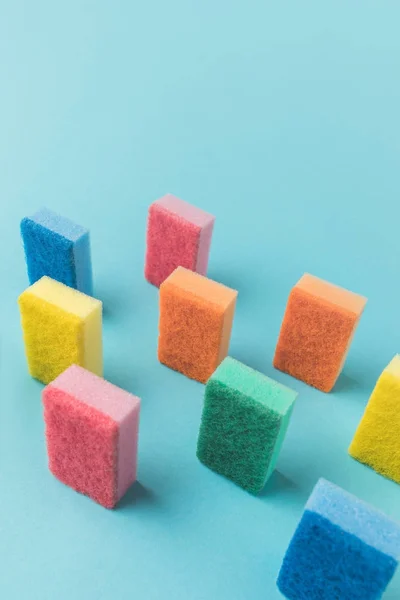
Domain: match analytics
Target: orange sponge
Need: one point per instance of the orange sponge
(317, 330)
(196, 316)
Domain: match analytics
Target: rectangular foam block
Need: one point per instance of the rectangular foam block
(343, 548)
(58, 248)
(61, 327)
(178, 234)
(377, 440)
(244, 422)
(91, 434)
(196, 316)
(317, 330)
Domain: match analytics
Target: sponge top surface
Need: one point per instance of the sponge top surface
(96, 392)
(393, 367)
(234, 374)
(186, 211)
(58, 224)
(334, 294)
(64, 297)
(201, 287)
(356, 517)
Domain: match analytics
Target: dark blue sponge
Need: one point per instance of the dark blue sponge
(343, 549)
(57, 247)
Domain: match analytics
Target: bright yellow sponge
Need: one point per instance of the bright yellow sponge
(61, 327)
(377, 439)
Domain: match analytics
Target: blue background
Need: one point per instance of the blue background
(281, 118)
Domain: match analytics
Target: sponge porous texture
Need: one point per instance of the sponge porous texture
(58, 248)
(196, 316)
(91, 434)
(343, 548)
(178, 234)
(317, 330)
(244, 421)
(377, 440)
(61, 327)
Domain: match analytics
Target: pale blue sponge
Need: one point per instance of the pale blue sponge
(343, 548)
(57, 247)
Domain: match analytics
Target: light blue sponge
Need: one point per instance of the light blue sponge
(57, 247)
(343, 548)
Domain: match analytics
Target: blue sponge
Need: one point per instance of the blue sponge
(57, 247)
(342, 549)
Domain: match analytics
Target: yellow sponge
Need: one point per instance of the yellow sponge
(61, 327)
(377, 439)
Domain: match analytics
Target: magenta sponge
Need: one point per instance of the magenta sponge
(91, 434)
(178, 235)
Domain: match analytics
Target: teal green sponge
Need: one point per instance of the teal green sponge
(244, 421)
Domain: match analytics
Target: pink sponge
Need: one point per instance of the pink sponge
(91, 434)
(178, 235)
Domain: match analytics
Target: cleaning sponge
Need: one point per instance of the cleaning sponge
(196, 316)
(178, 234)
(244, 422)
(57, 247)
(91, 434)
(377, 439)
(343, 548)
(61, 327)
(317, 330)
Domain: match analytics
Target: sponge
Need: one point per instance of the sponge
(91, 434)
(178, 234)
(57, 247)
(61, 327)
(196, 316)
(244, 422)
(317, 330)
(377, 439)
(343, 548)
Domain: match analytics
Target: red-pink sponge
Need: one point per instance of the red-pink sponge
(91, 434)
(178, 235)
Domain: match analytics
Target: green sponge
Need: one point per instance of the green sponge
(244, 421)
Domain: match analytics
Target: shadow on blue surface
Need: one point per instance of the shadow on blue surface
(346, 384)
(277, 484)
(137, 494)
